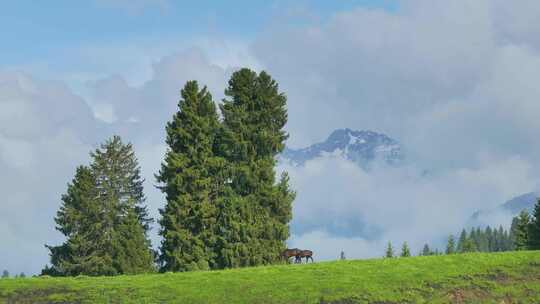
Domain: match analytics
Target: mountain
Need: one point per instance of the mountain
(511, 207)
(361, 147)
(518, 203)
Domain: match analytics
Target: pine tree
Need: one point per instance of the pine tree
(22, 275)
(104, 218)
(521, 230)
(192, 178)
(534, 228)
(451, 245)
(405, 251)
(426, 250)
(254, 115)
(389, 251)
(5, 274)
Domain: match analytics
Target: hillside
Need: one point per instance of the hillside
(468, 278)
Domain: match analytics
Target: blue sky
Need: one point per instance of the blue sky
(37, 30)
(455, 82)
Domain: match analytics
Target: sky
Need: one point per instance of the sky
(455, 82)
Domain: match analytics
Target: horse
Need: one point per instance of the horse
(308, 254)
(288, 253)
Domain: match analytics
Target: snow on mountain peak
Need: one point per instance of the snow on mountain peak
(361, 147)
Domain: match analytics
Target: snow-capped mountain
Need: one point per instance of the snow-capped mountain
(361, 147)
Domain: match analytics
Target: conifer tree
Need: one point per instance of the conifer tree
(426, 250)
(22, 275)
(489, 237)
(104, 218)
(405, 251)
(5, 274)
(192, 178)
(254, 115)
(126, 220)
(80, 220)
(461, 241)
(533, 242)
(389, 251)
(521, 226)
(451, 245)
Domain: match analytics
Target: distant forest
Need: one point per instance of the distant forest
(524, 234)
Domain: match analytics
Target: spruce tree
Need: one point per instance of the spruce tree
(5, 274)
(534, 228)
(389, 251)
(405, 251)
(254, 115)
(104, 218)
(461, 241)
(193, 180)
(451, 245)
(426, 250)
(85, 250)
(521, 230)
(126, 221)
(513, 232)
(490, 239)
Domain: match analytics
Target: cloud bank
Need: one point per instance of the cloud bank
(454, 82)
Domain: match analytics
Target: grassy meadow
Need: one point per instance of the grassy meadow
(509, 277)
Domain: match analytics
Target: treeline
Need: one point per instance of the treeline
(224, 207)
(5, 275)
(524, 234)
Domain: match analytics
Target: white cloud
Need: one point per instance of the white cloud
(345, 203)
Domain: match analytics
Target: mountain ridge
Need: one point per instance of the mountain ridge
(362, 147)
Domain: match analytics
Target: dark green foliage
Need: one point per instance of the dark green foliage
(224, 206)
(104, 218)
(426, 250)
(22, 275)
(5, 274)
(389, 251)
(487, 240)
(192, 179)
(462, 240)
(534, 228)
(256, 210)
(451, 245)
(405, 251)
(520, 230)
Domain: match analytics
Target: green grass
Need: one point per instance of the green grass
(512, 277)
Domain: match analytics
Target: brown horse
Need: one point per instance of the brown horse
(308, 254)
(288, 253)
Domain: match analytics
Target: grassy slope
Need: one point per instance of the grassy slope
(469, 278)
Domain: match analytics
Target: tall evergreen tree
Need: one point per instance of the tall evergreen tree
(405, 251)
(426, 250)
(85, 250)
(451, 245)
(192, 178)
(104, 218)
(389, 251)
(461, 241)
(5, 274)
(521, 225)
(254, 115)
(534, 228)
